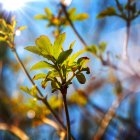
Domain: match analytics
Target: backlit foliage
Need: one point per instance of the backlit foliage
(61, 64)
(59, 21)
(7, 32)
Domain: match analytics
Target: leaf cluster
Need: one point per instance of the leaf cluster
(59, 21)
(61, 65)
(127, 12)
(97, 50)
(7, 32)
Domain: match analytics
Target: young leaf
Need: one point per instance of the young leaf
(44, 83)
(82, 61)
(63, 56)
(81, 78)
(72, 44)
(40, 17)
(33, 49)
(74, 56)
(72, 12)
(32, 91)
(48, 13)
(3, 25)
(2, 39)
(39, 76)
(102, 46)
(58, 44)
(81, 17)
(93, 49)
(44, 43)
(42, 65)
(22, 28)
(25, 89)
(86, 69)
(110, 11)
(54, 86)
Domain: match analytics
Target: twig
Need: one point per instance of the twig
(107, 118)
(15, 130)
(113, 66)
(64, 93)
(50, 122)
(110, 114)
(1, 64)
(72, 25)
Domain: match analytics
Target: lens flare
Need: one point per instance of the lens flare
(14, 5)
(9, 5)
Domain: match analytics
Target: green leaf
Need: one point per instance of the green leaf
(72, 45)
(81, 78)
(110, 11)
(44, 43)
(40, 17)
(54, 86)
(72, 11)
(2, 33)
(39, 76)
(86, 69)
(93, 49)
(63, 56)
(74, 56)
(2, 39)
(44, 83)
(10, 28)
(22, 28)
(82, 61)
(32, 91)
(33, 49)
(48, 13)
(57, 48)
(3, 25)
(53, 73)
(42, 65)
(102, 46)
(25, 89)
(81, 17)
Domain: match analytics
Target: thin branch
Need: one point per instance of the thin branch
(113, 66)
(128, 24)
(1, 65)
(15, 130)
(51, 123)
(110, 114)
(107, 118)
(64, 93)
(72, 25)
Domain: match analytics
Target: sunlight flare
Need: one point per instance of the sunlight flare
(14, 5)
